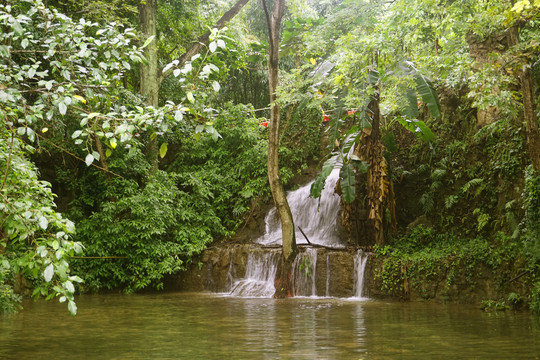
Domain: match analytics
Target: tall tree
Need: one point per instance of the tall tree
(151, 75)
(531, 120)
(278, 193)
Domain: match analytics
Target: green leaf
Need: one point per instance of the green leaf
(163, 150)
(148, 41)
(89, 159)
(429, 95)
(411, 111)
(4, 51)
(372, 77)
(318, 185)
(190, 97)
(347, 183)
(69, 286)
(17, 27)
(72, 307)
(43, 222)
(178, 115)
(62, 107)
(5, 264)
(48, 273)
(389, 141)
(418, 127)
(427, 134)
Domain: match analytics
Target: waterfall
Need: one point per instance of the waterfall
(260, 275)
(360, 261)
(304, 273)
(316, 217)
(327, 293)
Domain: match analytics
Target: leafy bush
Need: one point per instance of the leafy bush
(34, 239)
(139, 238)
(532, 216)
(535, 298)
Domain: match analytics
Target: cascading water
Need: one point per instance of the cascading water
(360, 261)
(316, 218)
(327, 289)
(304, 273)
(260, 274)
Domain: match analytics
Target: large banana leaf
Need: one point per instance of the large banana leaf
(419, 128)
(348, 183)
(411, 111)
(318, 184)
(429, 95)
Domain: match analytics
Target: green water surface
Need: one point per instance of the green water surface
(204, 326)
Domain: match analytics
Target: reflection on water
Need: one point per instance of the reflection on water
(199, 326)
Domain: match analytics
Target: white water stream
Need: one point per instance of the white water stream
(360, 261)
(318, 219)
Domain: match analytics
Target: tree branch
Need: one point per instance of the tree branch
(204, 40)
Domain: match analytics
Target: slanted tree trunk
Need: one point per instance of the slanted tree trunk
(531, 120)
(283, 283)
(205, 38)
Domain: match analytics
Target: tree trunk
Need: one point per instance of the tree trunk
(531, 121)
(280, 199)
(149, 73)
(376, 172)
(205, 38)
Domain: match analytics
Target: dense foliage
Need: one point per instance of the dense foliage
(422, 105)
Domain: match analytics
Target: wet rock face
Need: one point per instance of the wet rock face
(215, 270)
(335, 273)
(218, 268)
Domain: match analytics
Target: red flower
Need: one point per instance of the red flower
(326, 118)
(264, 123)
(351, 112)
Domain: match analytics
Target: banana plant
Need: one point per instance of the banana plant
(342, 155)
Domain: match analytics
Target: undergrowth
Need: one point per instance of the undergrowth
(432, 264)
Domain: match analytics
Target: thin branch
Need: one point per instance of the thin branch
(79, 158)
(303, 233)
(204, 40)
